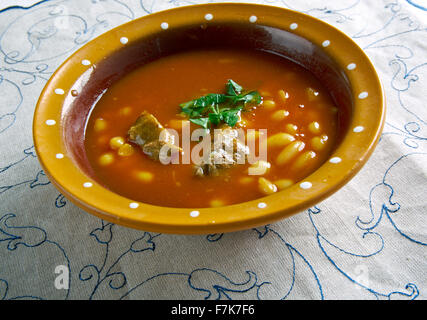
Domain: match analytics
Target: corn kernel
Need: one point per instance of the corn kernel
(266, 186)
(269, 104)
(283, 183)
(106, 159)
(116, 142)
(125, 150)
(279, 115)
(100, 124)
(144, 176)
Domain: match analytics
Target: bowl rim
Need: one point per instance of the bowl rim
(355, 149)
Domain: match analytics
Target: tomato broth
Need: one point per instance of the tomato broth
(296, 109)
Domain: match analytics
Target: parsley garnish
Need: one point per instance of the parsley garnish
(216, 108)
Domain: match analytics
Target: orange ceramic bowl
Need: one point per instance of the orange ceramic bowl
(66, 101)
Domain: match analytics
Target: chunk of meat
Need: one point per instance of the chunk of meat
(151, 136)
(226, 151)
(145, 129)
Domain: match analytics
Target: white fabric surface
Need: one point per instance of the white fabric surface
(367, 241)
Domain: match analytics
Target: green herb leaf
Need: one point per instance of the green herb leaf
(231, 117)
(251, 97)
(205, 101)
(192, 112)
(233, 89)
(215, 118)
(214, 108)
(203, 122)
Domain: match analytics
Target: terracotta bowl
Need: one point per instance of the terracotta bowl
(66, 101)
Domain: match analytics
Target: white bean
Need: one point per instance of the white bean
(269, 104)
(312, 94)
(289, 152)
(319, 143)
(291, 128)
(283, 183)
(283, 95)
(314, 127)
(279, 140)
(280, 115)
(259, 168)
(266, 186)
(304, 160)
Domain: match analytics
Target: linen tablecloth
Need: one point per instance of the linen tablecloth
(367, 241)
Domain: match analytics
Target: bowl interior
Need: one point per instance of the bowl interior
(91, 84)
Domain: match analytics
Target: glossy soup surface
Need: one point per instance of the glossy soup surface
(294, 102)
